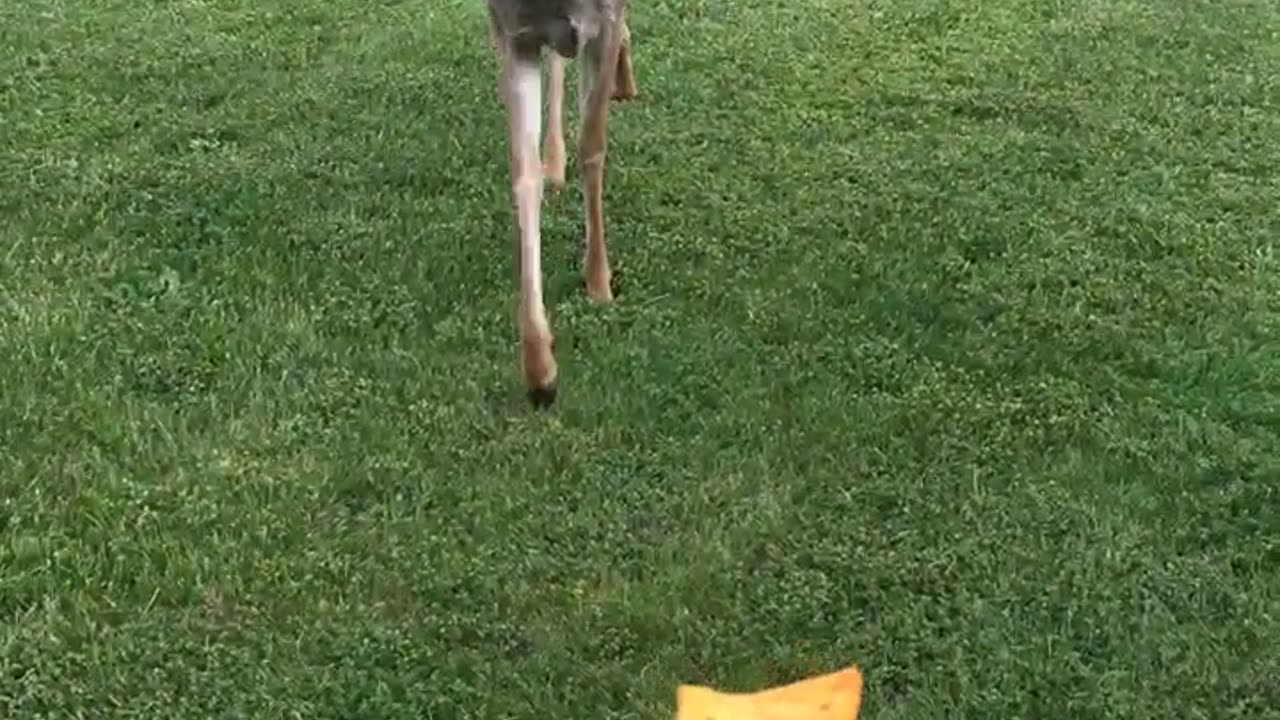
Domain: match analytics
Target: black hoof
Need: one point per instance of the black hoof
(543, 397)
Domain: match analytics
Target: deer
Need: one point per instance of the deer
(595, 32)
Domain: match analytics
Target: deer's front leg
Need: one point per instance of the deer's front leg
(522, 89)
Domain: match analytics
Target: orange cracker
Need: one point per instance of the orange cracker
(835, 696)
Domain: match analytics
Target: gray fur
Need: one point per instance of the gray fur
(562, 25)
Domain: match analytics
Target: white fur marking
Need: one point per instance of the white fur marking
(527, 85)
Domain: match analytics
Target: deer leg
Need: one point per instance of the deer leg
(599, 67)
(624, 83)
(522, 91)
(553, 155)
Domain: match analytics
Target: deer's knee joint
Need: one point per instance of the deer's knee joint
(527, 182)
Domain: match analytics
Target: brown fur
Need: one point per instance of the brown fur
(596, 32)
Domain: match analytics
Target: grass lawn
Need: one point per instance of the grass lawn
(947, 342)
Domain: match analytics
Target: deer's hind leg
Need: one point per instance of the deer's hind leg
(596, 87)
(554, 160)
(624, 81)
(553, 152)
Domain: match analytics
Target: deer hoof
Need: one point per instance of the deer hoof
(542, 398)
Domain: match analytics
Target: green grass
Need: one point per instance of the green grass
(947, 343)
